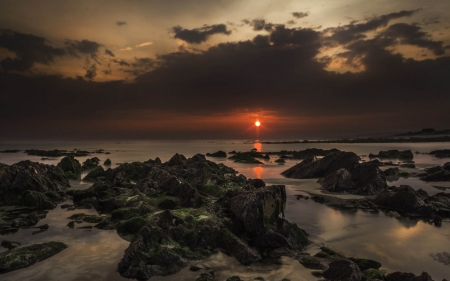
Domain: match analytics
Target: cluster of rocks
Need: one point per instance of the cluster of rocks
(342, 172)
(336, 267)
(438, 173)
(186, 209)
(393, 154)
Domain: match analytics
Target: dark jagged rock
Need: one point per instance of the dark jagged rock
(313, 168)
(406, 200)
(363, 179)
(107, 162)
(257, 183)
(365, 264)
(26, 255)
(71, 167)
(32, 176)
(343, 270)
(393, 154)
(408, 165)
(391, 172)
(219, 153)
(10, 151)
(437, 173)
(95, 174)
(36, 200)
(56, 153)
(90, 163)
(10, 244)
(177, 159)
(403, 276)
(441, 153)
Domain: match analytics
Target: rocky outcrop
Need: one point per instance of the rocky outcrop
(173, 217)
(32, 176)
(437, 173)
(311, 167)
(362, 179)
(90, 163)
(71, 167)
(406, 200)
(343, 270)
(393, 154)
(219, 153)
(27, 255)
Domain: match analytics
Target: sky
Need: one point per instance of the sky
(208, 69)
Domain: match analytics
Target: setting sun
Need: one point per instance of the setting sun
(257, 123)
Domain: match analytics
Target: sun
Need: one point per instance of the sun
(257, 123)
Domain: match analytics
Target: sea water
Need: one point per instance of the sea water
(399, 244)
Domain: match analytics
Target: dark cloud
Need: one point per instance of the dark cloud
(299, 15)
(84, 47)
(91, 72)
(121, 23)
(431, 20)
(120, 62)
(199, 35)
(278, 72)
(354, 31)
(260, 24)
(413, 35)
(28, 49)
(109, 53)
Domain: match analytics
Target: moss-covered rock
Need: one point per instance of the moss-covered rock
(107, 162)
(245, 157)
(90, 163)
(132, 226)
(26, 255)
(36, 200)
(364, 264)
(219, 153)
(96, 173)
(71, 167)
(10, 244)
(372, 274)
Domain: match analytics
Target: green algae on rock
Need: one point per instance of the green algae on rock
(28, 254)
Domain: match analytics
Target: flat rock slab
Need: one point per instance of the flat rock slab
(27, 255)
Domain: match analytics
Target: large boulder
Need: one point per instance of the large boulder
(313, 168)
(27, 255)
(27, 175)
(406, 200)
(343, 270)
(71, 167)
(362, 179)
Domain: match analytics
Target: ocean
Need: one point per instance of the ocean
(399, 244)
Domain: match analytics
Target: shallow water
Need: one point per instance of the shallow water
(405, 245)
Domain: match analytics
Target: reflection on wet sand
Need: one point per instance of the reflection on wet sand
(258, 172)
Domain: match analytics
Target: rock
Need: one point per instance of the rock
(257, 183)
(26, 255)
(441, 153)
(313, 168)
(280, 161)
(343, 270)
(107, 162)
(245, 157)
(339, 181)
(364, 264)
(391, 172)
(403, 276)
(252, 210)
(36, 200)
(32, 176)
(177, 159)
(408, 165)
(210, 276)
(393, 154)
(372, 274)
(71, 167)
(406, 200)
(219, 153)
(90, 163)
(10, 244)
(71, 224)
(96, 173)
(167, 204)
(195, 268)
(362, 179)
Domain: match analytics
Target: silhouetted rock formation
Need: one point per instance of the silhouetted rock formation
(219, 153)
(71, 167)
